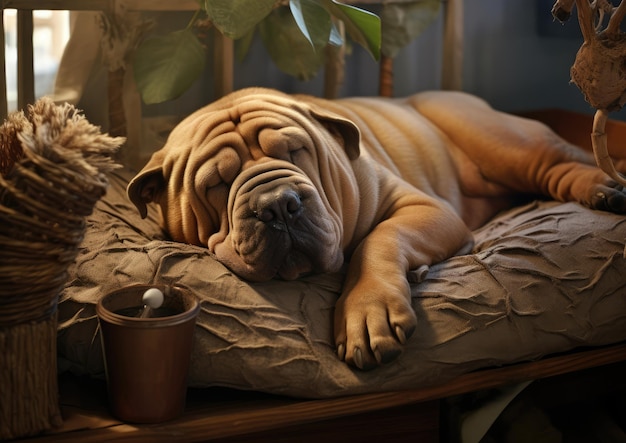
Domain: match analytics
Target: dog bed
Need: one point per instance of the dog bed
(542, 278)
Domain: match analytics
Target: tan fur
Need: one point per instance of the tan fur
(277, 186)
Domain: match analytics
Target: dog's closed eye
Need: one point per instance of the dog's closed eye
(280, 143)
(221, 169)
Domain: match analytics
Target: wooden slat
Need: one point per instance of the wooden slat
(3, 77)
(76, 5)
(452, 59)
(162, 5)
(25, 70)
(334, 65)
(229, 419)
(224, 65)
(100, 5)
(385, 82)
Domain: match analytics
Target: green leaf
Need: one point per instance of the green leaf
(166, 66)
(402, 23)
(288, 47)
(242, 46)
(236, 18)
(362, 26)
(313, 21)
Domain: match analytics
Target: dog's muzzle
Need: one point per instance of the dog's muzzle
(279, 225)
(279, 208)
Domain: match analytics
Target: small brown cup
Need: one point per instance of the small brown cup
(147, 359)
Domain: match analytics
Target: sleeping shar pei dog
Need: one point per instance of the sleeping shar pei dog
(279, 186)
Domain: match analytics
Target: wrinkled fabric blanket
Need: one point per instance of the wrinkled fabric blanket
(543, 278)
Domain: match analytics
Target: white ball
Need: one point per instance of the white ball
(153, 298)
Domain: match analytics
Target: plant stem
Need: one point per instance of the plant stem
(193, 19)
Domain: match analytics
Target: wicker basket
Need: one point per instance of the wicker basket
(53, 166)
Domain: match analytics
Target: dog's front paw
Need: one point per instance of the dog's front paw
(371, 327)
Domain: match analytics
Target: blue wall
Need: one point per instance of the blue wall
(509, 60)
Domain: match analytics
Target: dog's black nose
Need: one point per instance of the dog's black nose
(280, 206)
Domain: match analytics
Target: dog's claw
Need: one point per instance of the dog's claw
(358, 358)
(341, 351)
(401, 335)
(379, 357)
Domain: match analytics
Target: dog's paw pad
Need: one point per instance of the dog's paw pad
(611, 197)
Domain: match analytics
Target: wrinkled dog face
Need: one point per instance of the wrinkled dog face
(251, 179)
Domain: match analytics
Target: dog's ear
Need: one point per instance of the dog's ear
(144, 188)
(342, 128)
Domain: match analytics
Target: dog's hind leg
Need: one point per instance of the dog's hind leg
(517, 155)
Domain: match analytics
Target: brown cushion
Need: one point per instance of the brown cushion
(543, 278)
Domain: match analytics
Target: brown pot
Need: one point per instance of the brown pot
(147, 359)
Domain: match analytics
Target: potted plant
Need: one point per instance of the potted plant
(295, 33)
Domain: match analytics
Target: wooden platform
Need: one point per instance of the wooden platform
(219, 414)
